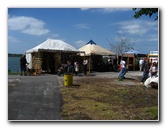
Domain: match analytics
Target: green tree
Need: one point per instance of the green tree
(145, 11)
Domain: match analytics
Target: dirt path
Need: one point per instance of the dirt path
(129, 76)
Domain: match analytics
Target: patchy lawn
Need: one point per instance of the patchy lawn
(95, 98)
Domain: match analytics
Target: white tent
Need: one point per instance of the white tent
(91, 48)
(54, 45)
(50, 45)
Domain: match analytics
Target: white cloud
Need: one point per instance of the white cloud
(28, 25)
(84, 9)
(106, 10)
(13, 39)
(80, 43)
(153, 37)
(53, 36)
(82, 26)
(111, 10)
(136, 27)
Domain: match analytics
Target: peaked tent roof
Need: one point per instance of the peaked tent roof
(91, 48)
(91, 42)
(53, 45)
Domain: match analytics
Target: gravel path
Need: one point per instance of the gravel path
(129, 75)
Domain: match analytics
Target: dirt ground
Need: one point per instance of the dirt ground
(102, 96)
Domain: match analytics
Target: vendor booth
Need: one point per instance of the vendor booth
(93, 53)
(132, 58)
(49, 55)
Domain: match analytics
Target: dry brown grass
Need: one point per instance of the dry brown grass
(92, 98)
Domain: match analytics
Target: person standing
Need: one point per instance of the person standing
(110, 64)
(145, 74)
(123, 69)
(115, 64)
(153, 69)
(23, 63)
(85, 62)
(141, 64)
(76, 67)
(69, 67)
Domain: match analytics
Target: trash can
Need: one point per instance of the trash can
(68, 79)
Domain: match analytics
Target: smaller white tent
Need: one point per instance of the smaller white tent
(50, 45)
(91, 48)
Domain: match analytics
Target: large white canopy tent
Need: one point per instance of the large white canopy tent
(50, 45)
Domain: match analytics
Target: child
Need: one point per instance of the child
(76, 66)
(153, 70)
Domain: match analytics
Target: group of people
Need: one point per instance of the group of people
(69, 68)
(75, 69)
(144, 65)
(113, 64)
(65, 68)
(147, 68)
(72, 69)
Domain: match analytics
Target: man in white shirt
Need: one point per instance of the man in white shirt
(141, 64)
(123, 63)
(123, 69)
(85, 62)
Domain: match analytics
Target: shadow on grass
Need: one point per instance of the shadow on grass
(81, 75)
(73, 86)
(129, 78)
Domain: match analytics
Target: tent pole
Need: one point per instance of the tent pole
(89, 63)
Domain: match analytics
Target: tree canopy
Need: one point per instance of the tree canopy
(145, 11)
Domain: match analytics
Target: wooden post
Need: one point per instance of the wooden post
(134, 64)
(128, 62)
(89, 63)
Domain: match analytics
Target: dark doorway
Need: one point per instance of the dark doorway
(48, 62)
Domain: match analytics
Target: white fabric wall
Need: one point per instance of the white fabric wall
(29, 60)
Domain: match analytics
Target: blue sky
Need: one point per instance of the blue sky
(28, 27)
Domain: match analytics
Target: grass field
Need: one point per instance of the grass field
(91, 98)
